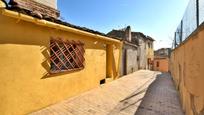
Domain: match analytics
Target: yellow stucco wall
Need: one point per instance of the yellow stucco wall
(150, 53)
(24, 54)
(187, 68)
(150, 50)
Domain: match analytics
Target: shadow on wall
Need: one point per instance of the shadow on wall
(88, 45)
(38, 38)
(46, 62)
(187, 70)
(111, 67)
(46, 65)
(114, 66)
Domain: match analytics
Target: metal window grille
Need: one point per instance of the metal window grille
(66, 55)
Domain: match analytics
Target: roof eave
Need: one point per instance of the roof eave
(49, 24)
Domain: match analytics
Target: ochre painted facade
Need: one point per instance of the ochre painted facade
(24, 48)
(149, 54)
(187, 69)
(161, 64)
(150, 51)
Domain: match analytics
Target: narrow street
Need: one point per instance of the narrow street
(140, 93)
(123, 57)
(161, 98)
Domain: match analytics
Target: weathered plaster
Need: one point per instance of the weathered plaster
(187, 65)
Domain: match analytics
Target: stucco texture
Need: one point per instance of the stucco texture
(25, 85)
(150, 50)
(129, 61)
(163, 64)
(187, 68)
(132, 63)
(142, 55)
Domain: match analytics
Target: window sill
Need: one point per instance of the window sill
(65, 71)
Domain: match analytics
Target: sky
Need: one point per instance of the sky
(156, 18)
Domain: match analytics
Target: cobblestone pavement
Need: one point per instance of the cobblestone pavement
(161, 98)
(140, 93)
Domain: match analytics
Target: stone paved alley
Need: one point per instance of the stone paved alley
(140, 93)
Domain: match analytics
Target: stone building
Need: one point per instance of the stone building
(50, 3)
(163, 52)
(129, 60)
(137, 50)
(149, 52)
(145, 50)
(38, 8)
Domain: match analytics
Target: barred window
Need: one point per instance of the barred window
(66, 55)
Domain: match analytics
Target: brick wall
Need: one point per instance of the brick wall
(39, 8)
(51, 3)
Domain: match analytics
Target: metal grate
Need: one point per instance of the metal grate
(66, 55)
(192, 19)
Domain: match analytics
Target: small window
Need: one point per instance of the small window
(66, 55)
(157, 64)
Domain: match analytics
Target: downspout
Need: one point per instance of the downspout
(45, 23)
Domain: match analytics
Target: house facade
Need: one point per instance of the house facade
(149, 52)
(161, 64)
(145, 50)
(44, 62)
(137, 51)
(163, 52)
(129, 61)
(161, 60)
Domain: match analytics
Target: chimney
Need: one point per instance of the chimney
(50, 3)
(39, 8)
(128, 34)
